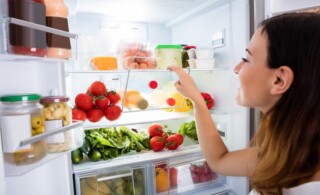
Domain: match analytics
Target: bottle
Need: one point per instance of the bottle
(133, 100)
(23, 40)
(185, 55)
(22, 117)
(56, 17)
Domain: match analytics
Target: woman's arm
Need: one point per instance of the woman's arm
(237, 163)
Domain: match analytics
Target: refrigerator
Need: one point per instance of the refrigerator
(224, 26)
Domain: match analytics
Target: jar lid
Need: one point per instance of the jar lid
(20, 97)
(53, 99)
(190, 47)
(169, 47)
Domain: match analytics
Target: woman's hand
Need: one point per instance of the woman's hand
(186, 85)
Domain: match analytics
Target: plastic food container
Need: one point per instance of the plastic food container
(57, 114)
(168, 55)
(21, 118)
(204, 53)
(204, 63)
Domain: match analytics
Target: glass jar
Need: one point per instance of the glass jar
(21, 118)
(168, 55)
(57, 114)
(23, 40)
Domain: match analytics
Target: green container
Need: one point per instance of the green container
(168, 55)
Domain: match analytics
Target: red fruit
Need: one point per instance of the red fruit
(78, 115)
(155, 130)
(153, 84)
(172, 142)
(112, 112)
(180, 138)
(195, 178)
(94, 115)
(203, 178)
(84, 101)
(102, 102)
(97, 88)
(114, 97)
(157, 143)
(171, 101)
(173, 177)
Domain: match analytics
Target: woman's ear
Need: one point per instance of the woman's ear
(283, 79)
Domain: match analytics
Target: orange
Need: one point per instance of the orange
(162, 180)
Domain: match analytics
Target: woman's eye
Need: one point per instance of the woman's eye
(244, 59)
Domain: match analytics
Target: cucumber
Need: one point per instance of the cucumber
(86, 146)
(76, 156)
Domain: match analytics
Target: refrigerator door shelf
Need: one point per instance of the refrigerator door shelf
(76, 130)
(6, 55)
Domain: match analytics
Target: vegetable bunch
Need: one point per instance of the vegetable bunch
(107, 143)
(189, 129)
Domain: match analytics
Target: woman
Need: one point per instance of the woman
(280, 77)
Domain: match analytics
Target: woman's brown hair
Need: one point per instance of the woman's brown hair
(289, 134)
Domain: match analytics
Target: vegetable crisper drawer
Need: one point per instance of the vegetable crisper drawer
(122, 181)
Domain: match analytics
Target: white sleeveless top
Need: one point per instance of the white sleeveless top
(310, 188)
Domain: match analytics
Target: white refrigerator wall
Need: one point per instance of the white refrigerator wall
(233, 18)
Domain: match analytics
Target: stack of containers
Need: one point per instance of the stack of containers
(204, 58)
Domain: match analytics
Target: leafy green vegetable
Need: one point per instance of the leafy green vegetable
(189, 129)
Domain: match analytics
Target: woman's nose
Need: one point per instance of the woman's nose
(237, 68)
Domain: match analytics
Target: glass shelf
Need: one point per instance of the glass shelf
(6, 55)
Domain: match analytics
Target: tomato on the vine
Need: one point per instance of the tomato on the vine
(102, 102)
(84, 101)
(94, 115)
(114, 97)
(97, 88)
(112, 112)
(78, 115)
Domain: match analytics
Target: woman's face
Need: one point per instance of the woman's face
(255, 76)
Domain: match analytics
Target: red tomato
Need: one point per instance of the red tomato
(78, 115)
(155, 130)
(84, 101)
(94, 115)
(113, 97)
(173, 177)
(112, 112)
(102, 102)
(172, 142)
(180, 138)
(157, 143)
(171, 101)
(97, 88)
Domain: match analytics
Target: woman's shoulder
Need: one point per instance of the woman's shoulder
(309, 188)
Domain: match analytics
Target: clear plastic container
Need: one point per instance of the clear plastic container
(21, 118)
(168, 55)
(57, 114)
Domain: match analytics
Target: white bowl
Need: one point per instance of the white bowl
(204, 53)
(205, 63)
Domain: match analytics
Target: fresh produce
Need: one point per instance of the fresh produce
(206, 97)
(107, 143)
(180, 138)
(112, 112)
(96, 103)
(102, 102)
(78, 114)
(84, 101)
(114, 97)
(97, 88)
(155, 130)
(94, 115)
(173, 176)
(181, 104)
(162, 183)
(76, 156)
(172, 142)
(201, 173)
(157, 143)
(189, 129)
